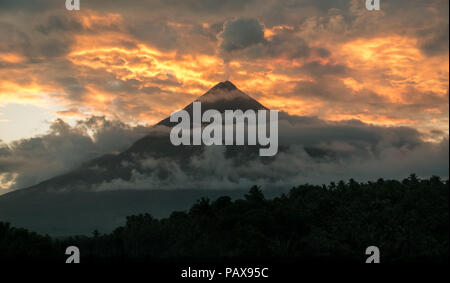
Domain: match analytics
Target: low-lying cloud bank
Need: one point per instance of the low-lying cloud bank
(29, 161)
(311, 151)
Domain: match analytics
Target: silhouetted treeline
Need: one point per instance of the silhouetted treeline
(408, 221)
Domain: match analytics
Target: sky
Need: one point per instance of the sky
(135, 62)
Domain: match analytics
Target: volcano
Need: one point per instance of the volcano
(223, 96)
(72, 203)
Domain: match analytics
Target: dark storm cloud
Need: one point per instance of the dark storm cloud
(435, 41)
(241, 33)
(244, 37)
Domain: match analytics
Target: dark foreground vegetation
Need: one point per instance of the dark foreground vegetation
(407, 220)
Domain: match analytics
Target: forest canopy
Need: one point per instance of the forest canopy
(407, 220)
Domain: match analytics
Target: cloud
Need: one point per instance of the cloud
(24, 5)
(241, 33)
(245, 38)
(435, 41)
(293, 166)
(72, 87)
(317, 70)
(160, 34)
(27, 162)
(311, 151)
(138, 61)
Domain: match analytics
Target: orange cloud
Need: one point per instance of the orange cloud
(10, 57)
(392, 64)
(392, 67)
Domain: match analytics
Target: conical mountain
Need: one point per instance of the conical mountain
(157, 145)
(223, 96)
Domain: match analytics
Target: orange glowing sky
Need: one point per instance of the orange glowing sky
(138, 65)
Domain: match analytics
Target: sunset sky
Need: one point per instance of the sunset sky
(137, 61)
